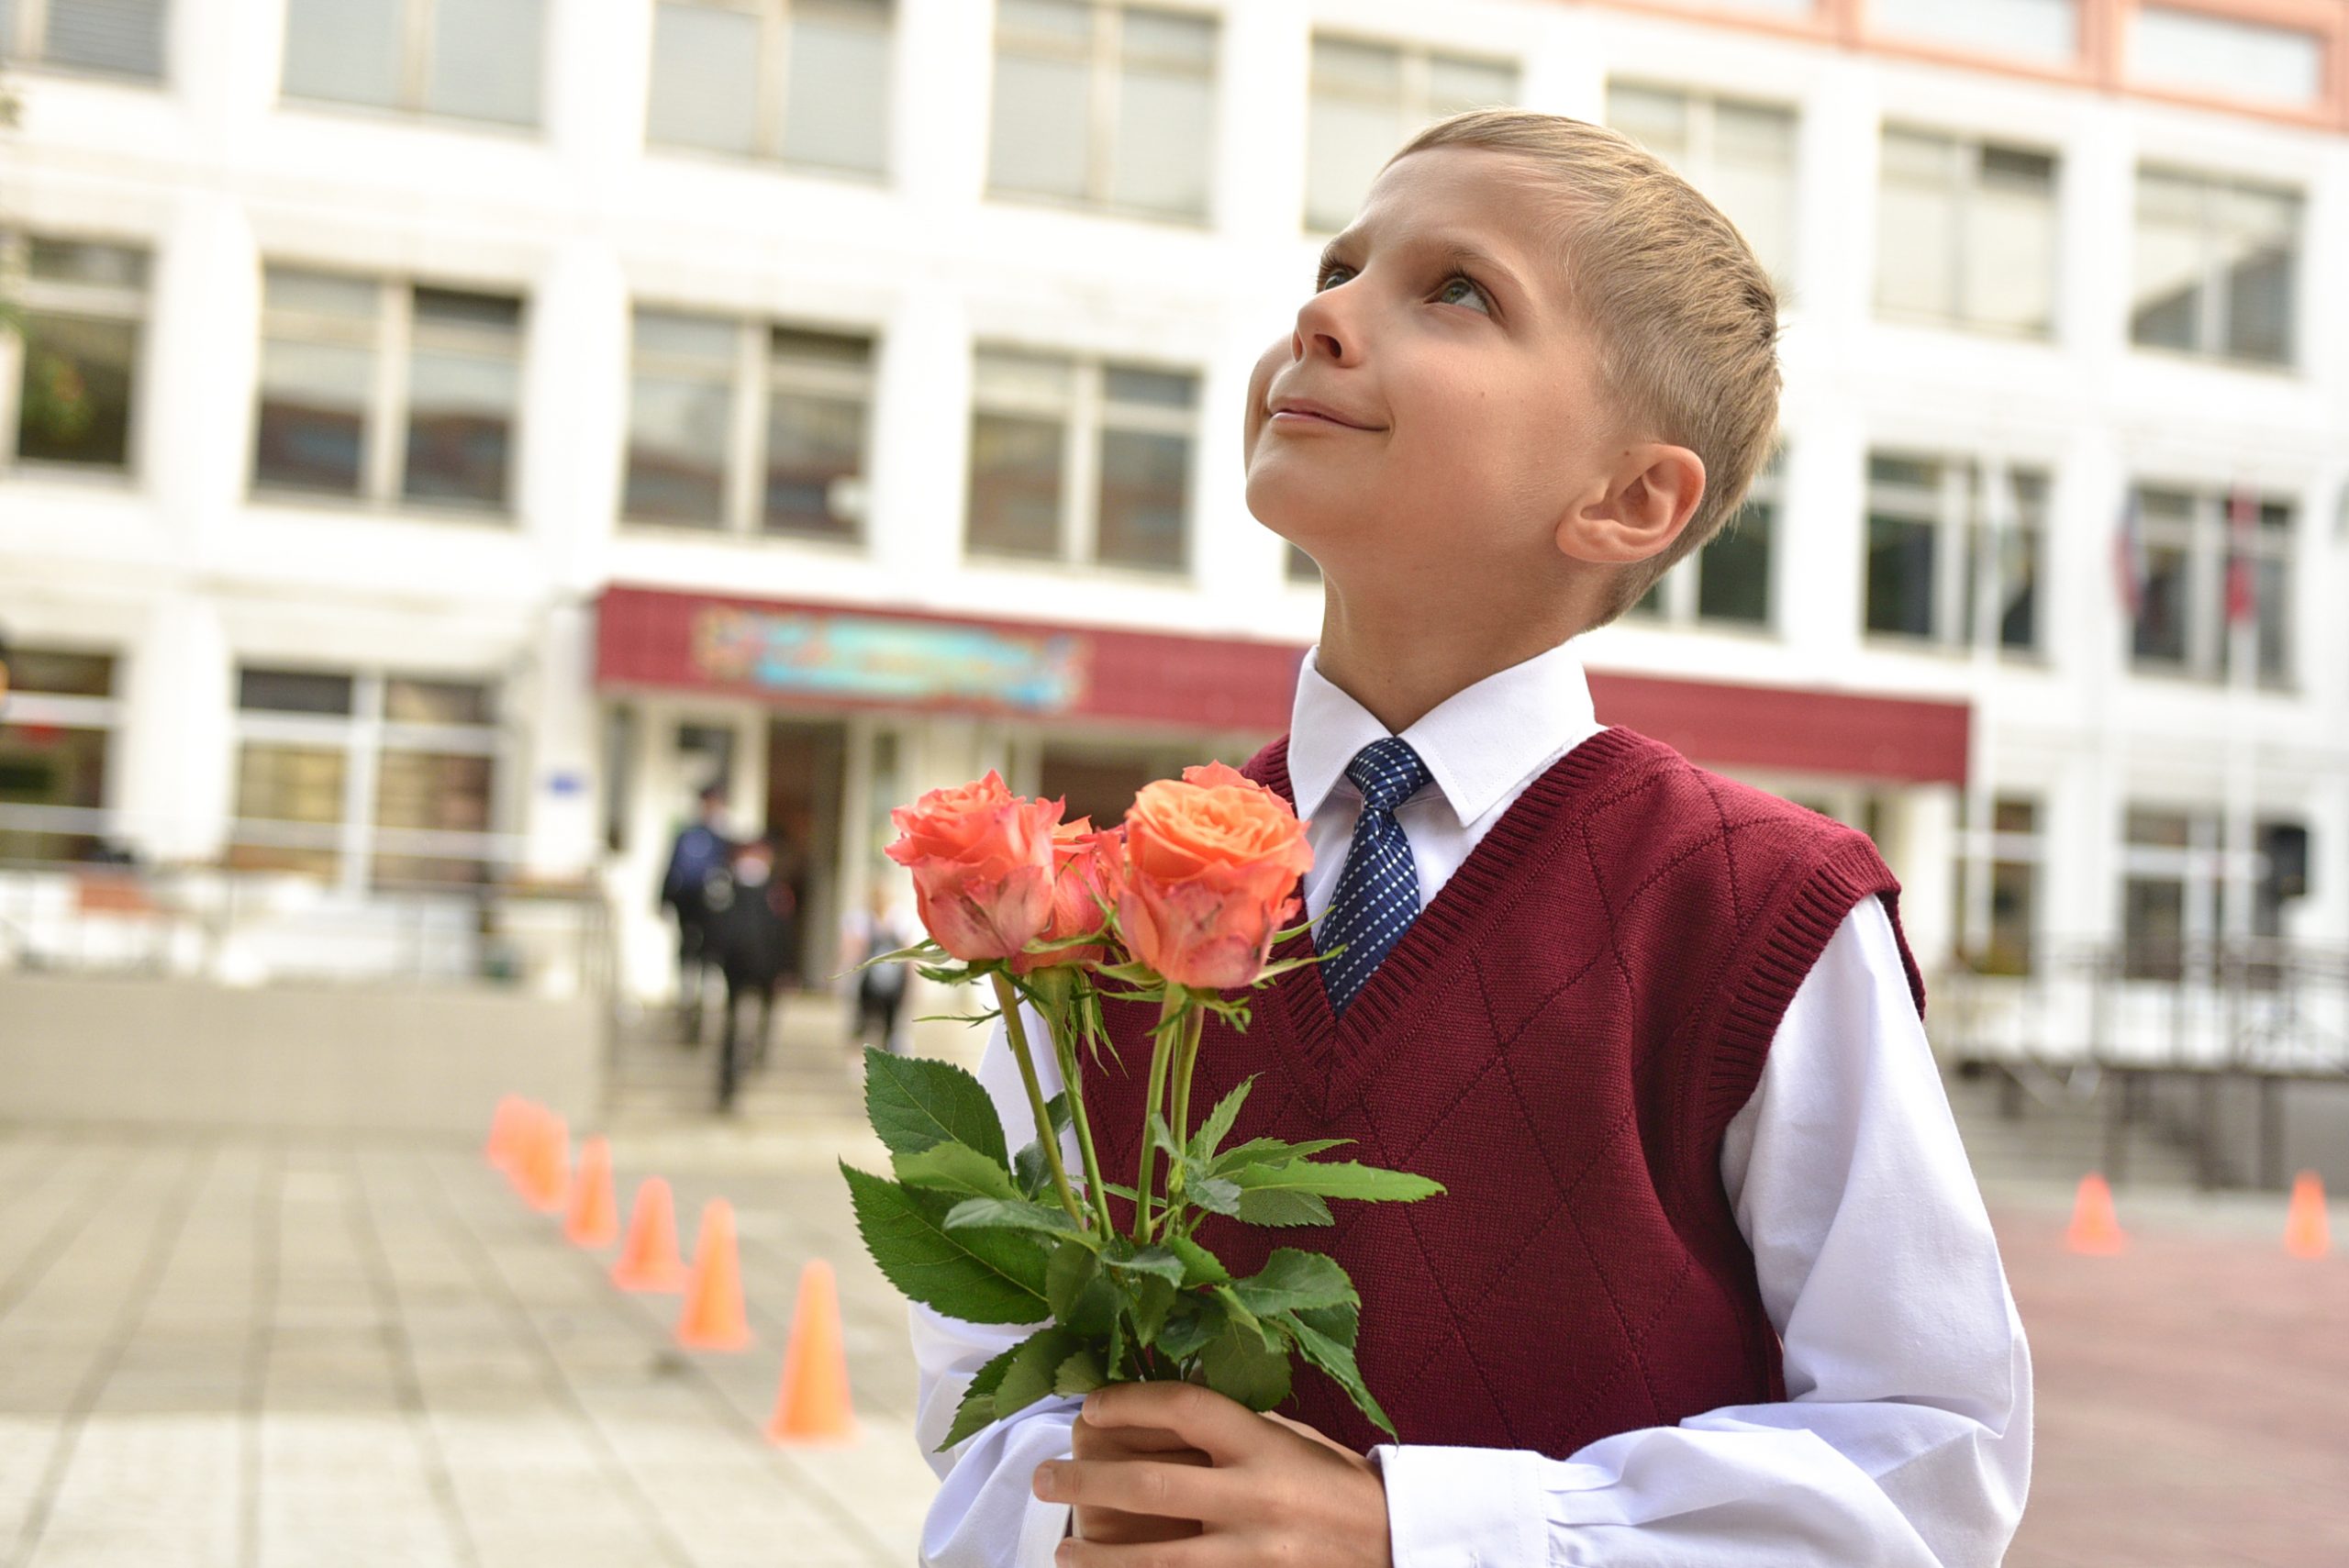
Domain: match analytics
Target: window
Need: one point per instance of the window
(474, 60)
(1728, 581)
(1099, 780)
(68, 371)
(365, 779)
(2000, 939)
(804, 81)
(117, 37)
(1965, 233)
(748, 427)
(1370, 98)
(1076, 461)
(1107, 105)
(2045, 31)
(2216, 265)
(2212, 565)
(55, 735)
(1939, 530)
(2176, 887)
(387, 391)
(1741, 154)
(2225, 57)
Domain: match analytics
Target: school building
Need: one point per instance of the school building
(436, 436)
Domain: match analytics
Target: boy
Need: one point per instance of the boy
(1711, 1283)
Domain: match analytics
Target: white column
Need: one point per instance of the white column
(561, 757)
(939, 102)
(922, 436)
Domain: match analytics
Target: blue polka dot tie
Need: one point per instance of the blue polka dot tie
(1378, 891)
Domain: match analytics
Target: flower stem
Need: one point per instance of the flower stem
(1162, 1045)
(1014, 1031)
(1194, 1025)
(1067, 1032)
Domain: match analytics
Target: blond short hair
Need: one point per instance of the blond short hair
(1687, 319)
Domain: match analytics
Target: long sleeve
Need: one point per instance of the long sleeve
(1905, 1439)
(985, 1514)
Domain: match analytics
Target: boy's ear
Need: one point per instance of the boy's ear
(1648, 499)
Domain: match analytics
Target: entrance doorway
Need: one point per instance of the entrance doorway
(806, 773)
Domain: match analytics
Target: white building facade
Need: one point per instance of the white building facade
(438, 435)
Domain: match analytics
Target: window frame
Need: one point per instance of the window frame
(1677, 597)
(104, 715)
(754, 374)
(1961, 519)
(386, 421)
(2213, 322)
(2002, 849)
(1084, 416)
(771, 89)
(1416, 60)
(364, 735)
(2207, 539)
(31, 46)
(1966, 154)
(418, 19)
(1104, 61)
(101, 302)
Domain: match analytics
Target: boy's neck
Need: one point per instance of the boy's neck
(1402, 667)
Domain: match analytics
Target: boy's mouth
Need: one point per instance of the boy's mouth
(1305, 411)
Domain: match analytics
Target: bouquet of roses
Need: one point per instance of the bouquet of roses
(1181, 906)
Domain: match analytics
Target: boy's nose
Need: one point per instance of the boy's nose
(1322, 329)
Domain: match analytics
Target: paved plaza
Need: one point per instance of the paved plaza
(241, 1353)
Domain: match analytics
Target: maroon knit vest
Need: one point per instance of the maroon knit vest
(1560, 1038)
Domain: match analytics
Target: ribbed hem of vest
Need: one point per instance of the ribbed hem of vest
(1800, 932)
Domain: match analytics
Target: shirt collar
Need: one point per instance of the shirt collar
(1476, 743)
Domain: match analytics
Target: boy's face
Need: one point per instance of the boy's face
(1437, 407)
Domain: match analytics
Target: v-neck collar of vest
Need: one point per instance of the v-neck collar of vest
(1334, 1053)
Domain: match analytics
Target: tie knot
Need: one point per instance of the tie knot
(1387, 772)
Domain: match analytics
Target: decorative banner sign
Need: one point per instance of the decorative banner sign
(851, 658)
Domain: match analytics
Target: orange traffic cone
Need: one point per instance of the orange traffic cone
(650, 1260)
(2096, 1230)
(812, 1405)
(523, 1143)
(505, 1132)
(713, 1319)
(2307, 1233)
(547, 1176)
(593, 1220)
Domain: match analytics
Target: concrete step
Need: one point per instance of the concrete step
(2058, 1142)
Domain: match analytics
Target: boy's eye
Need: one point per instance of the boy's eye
(1461, 289)
(1332, 276)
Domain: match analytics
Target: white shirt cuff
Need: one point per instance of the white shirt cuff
(1463, 1507)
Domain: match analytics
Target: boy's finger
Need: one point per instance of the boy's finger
(1137, 1487)
(1224, 1428)
(1113, 1442)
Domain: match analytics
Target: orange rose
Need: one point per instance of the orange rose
(1212, 860)
(982, 865)
(1087, 867)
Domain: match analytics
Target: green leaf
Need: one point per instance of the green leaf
(1080, 1373)
(1338, 1360)
(1028, 1167)
(1150, 1299)
(1237, 1364)
(956, 1168)
(1337, 1178)
(1338, 1323)
(1017, 1214)
(1193, 1322)
(1279, 1205)
(1034, 1364)
(1236, 1311)
(976, 1412)
(1081, 1294)
(1199, 1265)
(1291, 1280)
(1161, 1137)
(1218, 1127)
(1270, 1151)
(979, 1276)
(915, 1103)
(1213, 1194)
(1126, 1258)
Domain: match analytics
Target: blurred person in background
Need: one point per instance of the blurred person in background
(701, 851)
(751, 933)
(883, 926)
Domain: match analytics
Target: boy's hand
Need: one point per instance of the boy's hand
(1275, 1491)
(1110, 1445)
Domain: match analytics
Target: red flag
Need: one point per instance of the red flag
(2242, 588)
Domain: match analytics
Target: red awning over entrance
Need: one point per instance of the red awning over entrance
(799, 655)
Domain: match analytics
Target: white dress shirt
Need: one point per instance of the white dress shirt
(1905, 1439)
